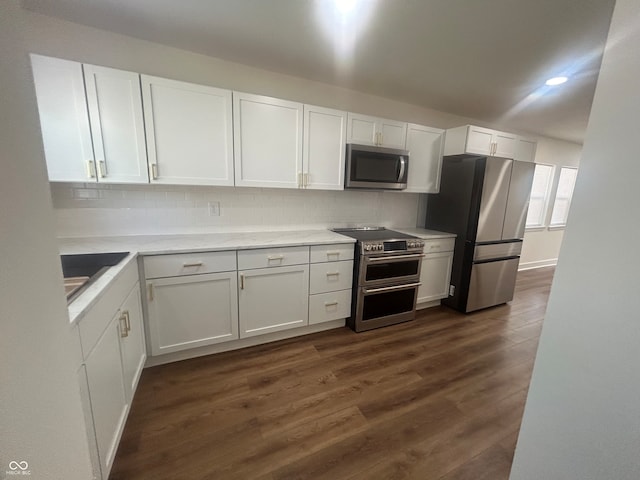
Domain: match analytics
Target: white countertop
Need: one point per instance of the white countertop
(209, 242)
(425, 233)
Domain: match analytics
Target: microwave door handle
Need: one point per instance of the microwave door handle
(402, 167)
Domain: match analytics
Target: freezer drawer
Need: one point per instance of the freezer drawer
(492, 283)
(497, 250)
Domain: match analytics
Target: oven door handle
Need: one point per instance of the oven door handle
(391, 289)
(395, 257)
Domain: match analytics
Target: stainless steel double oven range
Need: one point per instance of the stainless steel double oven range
(386, 277)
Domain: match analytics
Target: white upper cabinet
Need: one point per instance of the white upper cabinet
(117, 125)
(267, 141)
(64, 119)
(189, 132)
(366, 130)
(92, 136)
(526, 150)
(425, 146)
(481, 141)
(323, 148)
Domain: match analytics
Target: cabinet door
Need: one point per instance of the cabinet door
(479, 140)
(273, 299)
(192, 311)
(435, 276)
(362, 129)
(64, 119)
(117, 126)
(132, 341)
(393, 133)
(425, 158)
(525, 150)
(189, 132)
(324, 148)
(107, 394)
(268, 141)
(505, 145)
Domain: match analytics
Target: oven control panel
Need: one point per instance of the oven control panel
(389, 246)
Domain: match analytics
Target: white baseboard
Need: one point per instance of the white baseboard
(551, 262)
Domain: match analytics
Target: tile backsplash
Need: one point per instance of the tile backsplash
(102, 210)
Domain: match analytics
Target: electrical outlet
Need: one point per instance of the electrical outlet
(452, 290)
(214, 209)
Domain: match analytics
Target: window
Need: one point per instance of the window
(539, 199)
(564, 193)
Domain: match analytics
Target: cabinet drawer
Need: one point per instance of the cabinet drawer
(332, 253)
(325, 307)
(272, 257)
(330, 277)
(159, 266)
(439, 245)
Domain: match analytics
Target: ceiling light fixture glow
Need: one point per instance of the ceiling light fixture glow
(552, 82)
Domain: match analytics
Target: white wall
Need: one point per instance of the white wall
(41, 420)
(541, 246)
(55, 37)
(582, 417)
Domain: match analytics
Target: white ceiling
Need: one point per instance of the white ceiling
(477, 58)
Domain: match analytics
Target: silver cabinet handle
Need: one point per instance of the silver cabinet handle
(151, 292)
(154, 171)
(330, 304)
(434, 246)
(391, 289)
(190, 265)
(333, 274)
(127, 322)
(305, 178)
(242, 281)
(274, 257)
(102, 168)
(91, 169)
(300, 180)
(395, 257)
(333, 254)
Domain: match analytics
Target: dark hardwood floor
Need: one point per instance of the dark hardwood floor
(437, 398)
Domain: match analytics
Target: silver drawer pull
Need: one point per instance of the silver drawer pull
(330, 304)
(333, 254)
(435, 246)
(390, 289)
(333, 274)
(275, 257)
(191, 265)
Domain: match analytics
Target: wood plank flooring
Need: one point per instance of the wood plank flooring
(437, 398)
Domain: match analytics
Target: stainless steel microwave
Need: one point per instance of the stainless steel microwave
(376, 167)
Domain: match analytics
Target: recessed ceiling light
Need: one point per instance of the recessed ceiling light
(552, 82)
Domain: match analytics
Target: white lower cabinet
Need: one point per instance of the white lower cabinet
(107, 393)
(435, 276)
(192, 311)
(112, 355)
(132, 344)
(273, 299)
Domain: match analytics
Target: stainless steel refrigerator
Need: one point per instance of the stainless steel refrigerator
(484, 200)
